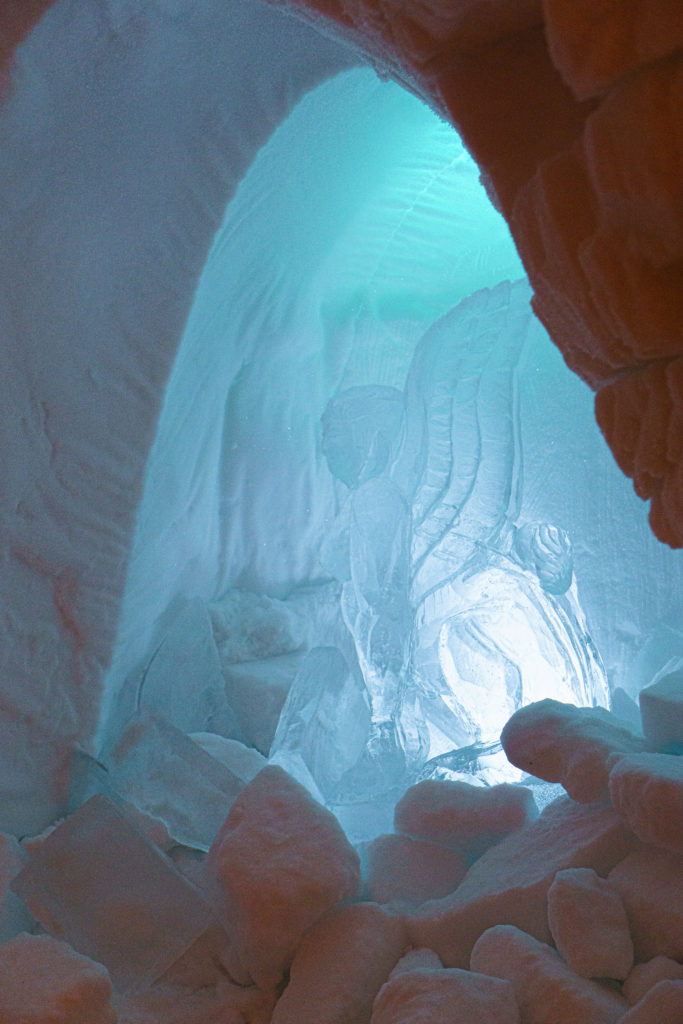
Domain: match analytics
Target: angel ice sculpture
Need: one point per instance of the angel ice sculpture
(458, 613)
(375, 598)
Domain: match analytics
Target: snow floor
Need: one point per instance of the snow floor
(472, 905)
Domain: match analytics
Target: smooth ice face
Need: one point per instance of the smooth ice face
(182, 679)
(112, 894)
(498, 618)
(166, 774)
(323, 729)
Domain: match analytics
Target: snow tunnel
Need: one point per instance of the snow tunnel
(304, 308)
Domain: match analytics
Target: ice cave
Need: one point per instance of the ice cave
(341, 675)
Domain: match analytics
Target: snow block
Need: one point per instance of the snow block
(416, 959)
(257, 691)
(216, 1003)
(661, 712)
(647, 790)
(411, 871)
(44, 981)
(279, 862)
(645, 976)
(547, 990)
(445, 996)
(594, 45)
(97, 881)
(254, 628)
(510, 882)
(340, 966)
(588, 924)
(462, 817)
(650, 883)
(562, 743)
(663, 1004)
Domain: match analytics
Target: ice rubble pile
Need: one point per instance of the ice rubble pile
(474, 907)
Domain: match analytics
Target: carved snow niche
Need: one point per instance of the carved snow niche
(406, 521)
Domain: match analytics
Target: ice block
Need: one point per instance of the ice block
(168, 775)
(96, 881)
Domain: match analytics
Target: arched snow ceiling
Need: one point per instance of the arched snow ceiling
(573, 110)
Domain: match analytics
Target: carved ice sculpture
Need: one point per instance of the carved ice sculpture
(459, 613)
(498, 622)
(376, 593)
